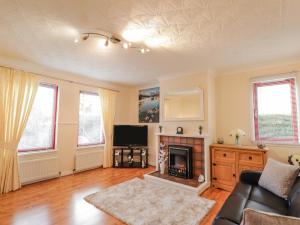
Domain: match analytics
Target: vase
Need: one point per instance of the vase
(238, 141)
(162, 168)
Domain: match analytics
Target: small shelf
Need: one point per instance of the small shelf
(127, 157)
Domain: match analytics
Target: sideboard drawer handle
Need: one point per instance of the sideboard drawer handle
(224, 154)
(250, 157)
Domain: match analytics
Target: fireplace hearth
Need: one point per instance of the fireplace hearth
(180, 161)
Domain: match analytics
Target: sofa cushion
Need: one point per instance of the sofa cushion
(252, 217)
(250, 177)
(232, 209)
(262, 207)
(263, 196)
(243, 189)
(294, 209)
(221, 221)
(278, 177)
(295, 189)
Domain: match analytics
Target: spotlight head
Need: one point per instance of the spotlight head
(147, 50)
(85, 37)
(115, 40)
(142, 50)
(125, 45)
(106, 43)
(76, 40)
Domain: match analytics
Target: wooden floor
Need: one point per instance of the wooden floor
(60, 201)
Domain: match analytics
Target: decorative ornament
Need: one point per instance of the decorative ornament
(220, 140)
(143, 164)
(160, 129)
(261, 145)
(179, 130)
(162, 157)
(201, 178)
(237, 134)
(200, 129)
(294, 159)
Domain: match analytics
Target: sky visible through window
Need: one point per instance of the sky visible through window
(276, 121)
(275, 99)
(90, 129)
(39, 132)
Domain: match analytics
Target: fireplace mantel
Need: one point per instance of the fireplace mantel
(206, 140)
(182, 135)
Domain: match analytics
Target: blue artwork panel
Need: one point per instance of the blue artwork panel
(149, 105)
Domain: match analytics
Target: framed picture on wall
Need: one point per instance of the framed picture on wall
(149, 105)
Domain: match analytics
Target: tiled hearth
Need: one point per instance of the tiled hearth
(200, 152)
(190, 182)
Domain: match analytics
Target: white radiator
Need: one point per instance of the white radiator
(88, 160)
(38, 169)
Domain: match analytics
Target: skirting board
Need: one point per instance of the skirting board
(39, 180)
(197, 190)
(66, 173)
(87, 169)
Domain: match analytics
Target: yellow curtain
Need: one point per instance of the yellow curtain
(17, 92)
(108, 107)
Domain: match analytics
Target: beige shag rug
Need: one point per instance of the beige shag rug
(140, 202)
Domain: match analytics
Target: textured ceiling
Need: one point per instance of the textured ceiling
(197, 35)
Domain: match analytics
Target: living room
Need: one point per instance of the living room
(149, 112)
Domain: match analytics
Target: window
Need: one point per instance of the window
(90, 127)
(39, 133)
(275, 111)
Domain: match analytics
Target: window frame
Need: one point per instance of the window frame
(53, 145)
(294, 110)
(102, 133)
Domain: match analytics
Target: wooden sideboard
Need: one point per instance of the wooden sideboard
(228, 161)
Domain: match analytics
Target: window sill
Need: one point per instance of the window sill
(272, 144)
(90, 146)
(283, 145)
(38, 152)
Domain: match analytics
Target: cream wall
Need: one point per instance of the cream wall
(227, 101)
(188, 82)
(134, 120)
(233, 106)
(202, 80)
(67, 117)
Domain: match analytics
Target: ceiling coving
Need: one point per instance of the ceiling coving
(184, 36)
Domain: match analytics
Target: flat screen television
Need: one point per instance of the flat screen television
(128, 135)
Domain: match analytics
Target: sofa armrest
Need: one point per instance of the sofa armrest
(250, 177)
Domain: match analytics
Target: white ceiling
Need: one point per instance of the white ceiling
(201, 35)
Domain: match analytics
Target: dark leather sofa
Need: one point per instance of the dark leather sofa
(247, 194)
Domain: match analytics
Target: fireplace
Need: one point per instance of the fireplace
(181, 161)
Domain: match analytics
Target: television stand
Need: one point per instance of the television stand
(130, 157)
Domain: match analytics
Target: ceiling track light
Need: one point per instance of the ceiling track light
(112, 39)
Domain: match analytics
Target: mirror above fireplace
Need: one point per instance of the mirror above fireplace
(182, 105)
